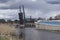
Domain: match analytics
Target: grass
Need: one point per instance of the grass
(3, 38)
(6, 29)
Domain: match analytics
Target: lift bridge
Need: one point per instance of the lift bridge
(22, 15)
(22, 21)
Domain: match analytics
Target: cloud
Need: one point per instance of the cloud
(13, 13)
(9, 14)
(33, 14)
(3, 1)
(34, 8)
(4, 16)
(53, 1)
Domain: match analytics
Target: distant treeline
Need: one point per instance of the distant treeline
(2, 20)
(27, 20)
(8, 21)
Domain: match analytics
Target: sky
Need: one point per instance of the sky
(9, 9)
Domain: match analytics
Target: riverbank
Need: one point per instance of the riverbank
(47, 27)
(8, 31)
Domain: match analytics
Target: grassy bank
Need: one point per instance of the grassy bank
(3, 38)
(7, 31)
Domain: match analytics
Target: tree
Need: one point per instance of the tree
(40, 18)
(9, 21)
(16, 21)
(2, 21)
(50, 18)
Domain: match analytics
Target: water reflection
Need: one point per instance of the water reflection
(33, 34)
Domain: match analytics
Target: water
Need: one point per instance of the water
(50, 23)
(33, 34)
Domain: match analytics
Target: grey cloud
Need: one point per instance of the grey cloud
(3, 1)
(53, 1)
(39, 5)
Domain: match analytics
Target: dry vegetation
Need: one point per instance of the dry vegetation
(6, 30)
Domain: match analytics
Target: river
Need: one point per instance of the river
(34, 34)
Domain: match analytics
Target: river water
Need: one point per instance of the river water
(34, 34)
